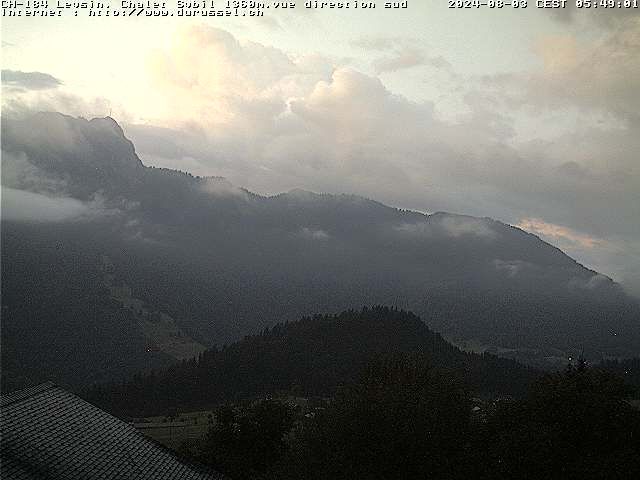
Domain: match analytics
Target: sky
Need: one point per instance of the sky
(529, 116)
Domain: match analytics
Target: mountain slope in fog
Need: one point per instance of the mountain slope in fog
(222, 262)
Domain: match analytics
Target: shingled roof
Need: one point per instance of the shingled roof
(49, 433)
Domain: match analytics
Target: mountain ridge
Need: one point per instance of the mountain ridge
(296, 193)
(224, 262)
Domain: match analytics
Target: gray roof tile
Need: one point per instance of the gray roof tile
(49, 433)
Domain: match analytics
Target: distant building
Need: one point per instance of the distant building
(49, 433)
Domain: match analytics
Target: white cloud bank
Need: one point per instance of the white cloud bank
(24, 206)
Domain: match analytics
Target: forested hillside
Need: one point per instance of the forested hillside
(401, 418)
(311, 357)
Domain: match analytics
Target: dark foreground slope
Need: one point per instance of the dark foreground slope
(403, 420)
(310, 357)
(110, 266)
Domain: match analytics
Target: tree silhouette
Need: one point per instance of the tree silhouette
(403, 419)
(574, 424)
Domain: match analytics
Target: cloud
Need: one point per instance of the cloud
(29, 80)
(448, 225)
(271, 23)
(219, 187)
(607, 64)
(606, 17)
(618, 255)
(537, 144)
(592, 283)
(414, 229)
(213, 75)
(19, 173)
(24, 206)
(376, 43)
(27, 140)
(610, 69)
(17, 102)
(407, 58)
(314, 234)
(512, 268)
(28, 92)
(400, 53)
(457, 226)
(558, 233)
(285, 121)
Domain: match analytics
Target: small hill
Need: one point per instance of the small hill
(310, 357)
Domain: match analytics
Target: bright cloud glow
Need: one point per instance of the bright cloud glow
(559, 233)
